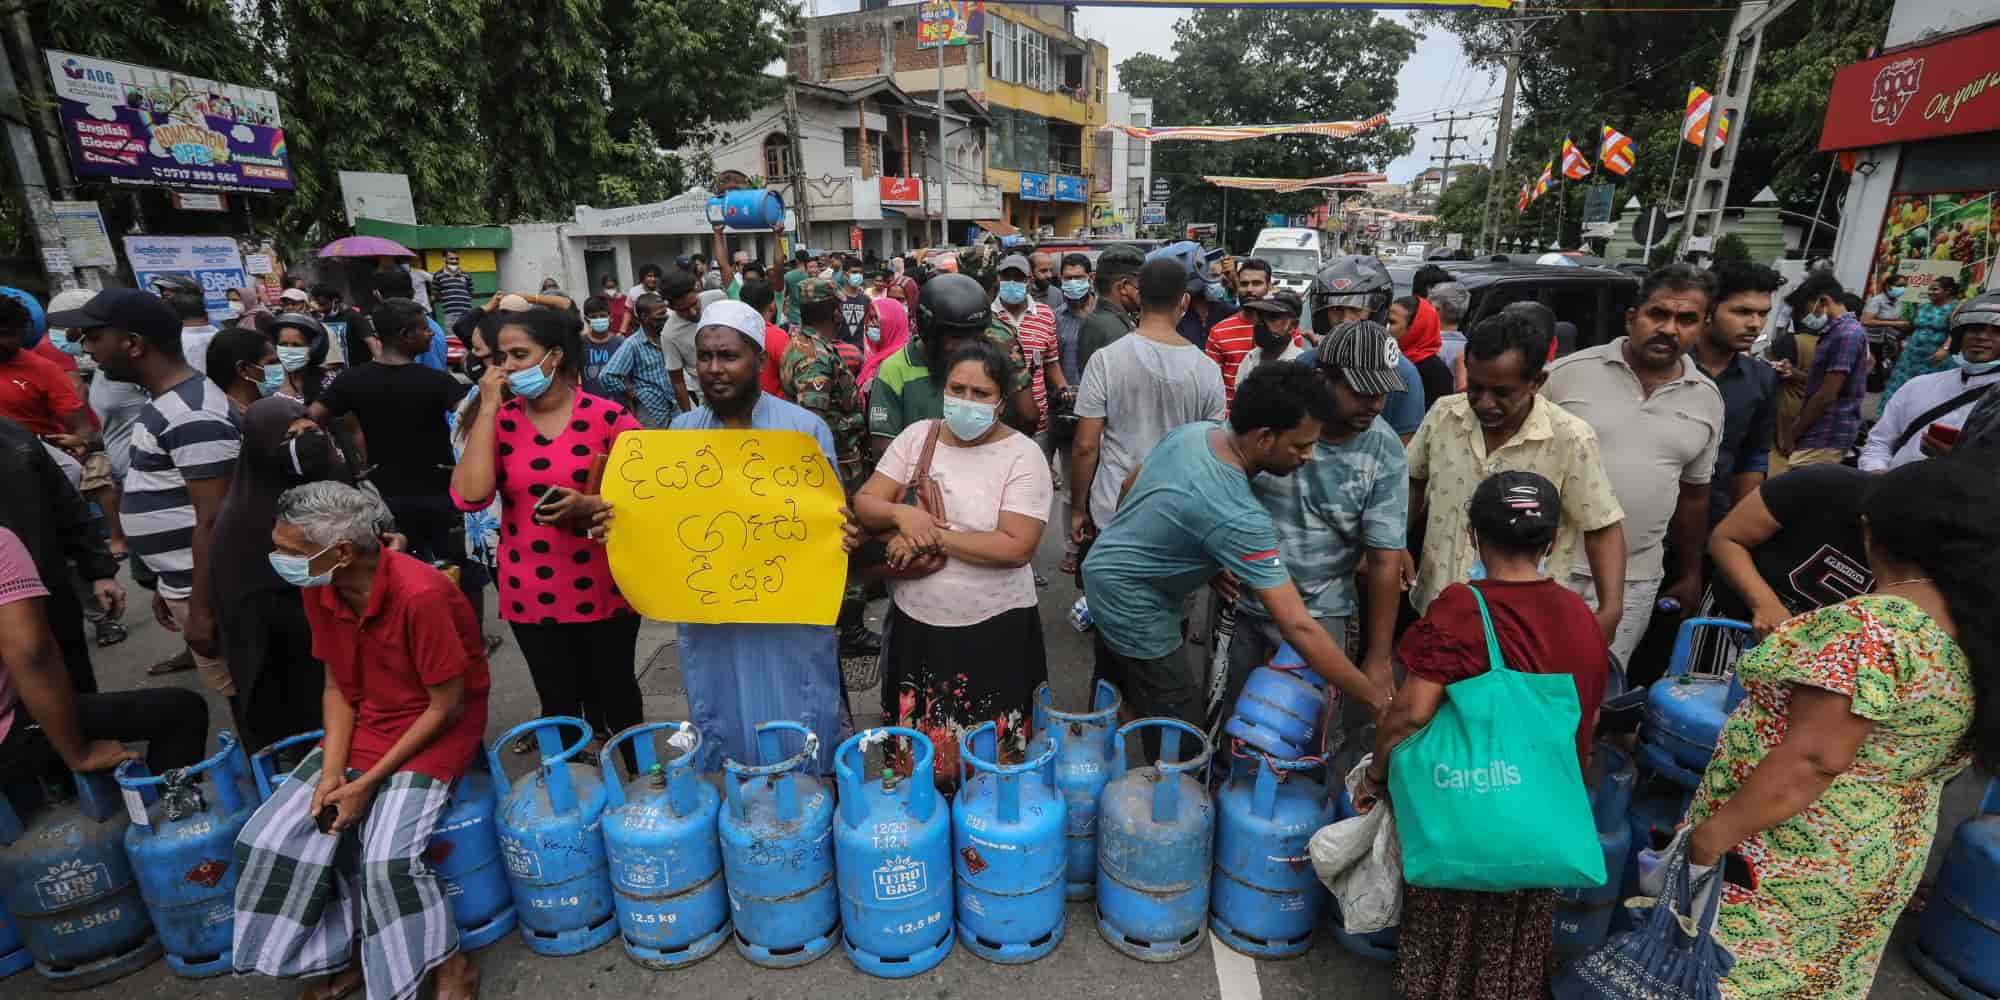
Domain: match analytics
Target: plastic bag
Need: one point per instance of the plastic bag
(1360, 861)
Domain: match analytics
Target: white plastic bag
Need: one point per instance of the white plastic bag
(1360, 861)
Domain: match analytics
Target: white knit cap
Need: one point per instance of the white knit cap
(736, 316)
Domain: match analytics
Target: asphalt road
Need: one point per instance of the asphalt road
(1082, 967)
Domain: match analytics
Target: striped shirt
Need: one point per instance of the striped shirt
(638, 372)
(453, 292)
(187, 433)
(1036, 330)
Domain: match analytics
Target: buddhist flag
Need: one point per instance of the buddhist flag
(1614, 152)
(1542, 182)
(1721, 131)
(1527, 195)
(1695, 125)
(1575, 167)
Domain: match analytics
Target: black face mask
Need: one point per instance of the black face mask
(474, 367)
(1267, 340)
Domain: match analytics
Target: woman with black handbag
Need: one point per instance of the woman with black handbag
(964, 640)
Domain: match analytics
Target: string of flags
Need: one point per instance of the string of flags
(1233, 133)
(1618, 154)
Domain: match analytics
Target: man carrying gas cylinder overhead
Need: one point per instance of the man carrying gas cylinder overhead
(332, 859)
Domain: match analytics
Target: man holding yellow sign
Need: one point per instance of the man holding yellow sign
(739, 535)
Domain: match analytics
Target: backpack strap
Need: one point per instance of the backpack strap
(1494, 661)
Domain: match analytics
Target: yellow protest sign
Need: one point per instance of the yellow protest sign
(725, 526)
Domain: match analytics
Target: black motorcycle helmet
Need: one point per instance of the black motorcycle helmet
(1353, 280)
(952, 305)
(1980, 310)
(316, 343)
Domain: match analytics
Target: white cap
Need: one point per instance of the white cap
(71, 298)
(513, 303)
(736, 316)
(293, 295)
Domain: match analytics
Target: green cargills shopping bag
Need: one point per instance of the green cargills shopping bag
(1489, 796)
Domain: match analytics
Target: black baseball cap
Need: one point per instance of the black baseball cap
(1283, 302)
(1365, 355)
(1121, 259)
(132, 309)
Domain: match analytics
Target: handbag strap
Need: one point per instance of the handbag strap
(1494, 661)
(1924, 420)
(930, 448)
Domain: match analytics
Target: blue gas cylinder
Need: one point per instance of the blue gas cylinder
(1009, 831)
(1379, 946)
(1957, 946)
(1583, 918)
(1155, 836)
(1265, 899)
(1083, 766)
(13, 954)
(892, 850)
(750, 208)
(1685, 711)
(182, 842)
(550, 836)
(67, 883)
(659, 835)
(464, 849)
(777, 851)
(1280, 708)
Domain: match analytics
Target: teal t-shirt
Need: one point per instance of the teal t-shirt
(1188, 515)
(793, 278)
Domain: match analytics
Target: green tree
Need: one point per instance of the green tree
(1256, 66)
(1462, 207)
(541, 106)
(639, 171)
(681, 65)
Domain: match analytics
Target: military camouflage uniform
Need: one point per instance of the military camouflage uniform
(813, 376)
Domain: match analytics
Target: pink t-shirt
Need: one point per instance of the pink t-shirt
(18, 582)
(1007, 473)
(551, 575)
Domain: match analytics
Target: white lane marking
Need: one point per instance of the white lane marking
(1235, 972)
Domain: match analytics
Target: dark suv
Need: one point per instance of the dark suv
(1593, 298)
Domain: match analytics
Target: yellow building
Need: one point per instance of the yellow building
(1043, 84)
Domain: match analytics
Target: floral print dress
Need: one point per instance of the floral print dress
(1931, 331)
(1831, 881)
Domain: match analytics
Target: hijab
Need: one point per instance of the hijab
(1424, 338)
(894, 320)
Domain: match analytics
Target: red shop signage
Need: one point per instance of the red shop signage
(902, 191)
(1949, 88)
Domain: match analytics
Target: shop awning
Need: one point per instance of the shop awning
(998, 228)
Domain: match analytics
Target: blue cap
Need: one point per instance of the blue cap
(38, 324)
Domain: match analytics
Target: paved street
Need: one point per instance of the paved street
(1083, 967)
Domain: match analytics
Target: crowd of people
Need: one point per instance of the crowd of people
(319, 502)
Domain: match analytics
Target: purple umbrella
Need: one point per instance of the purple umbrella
(365, 246)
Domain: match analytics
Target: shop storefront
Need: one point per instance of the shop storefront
(1918, 130)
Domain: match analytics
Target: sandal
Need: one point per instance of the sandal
(341, 984)
(524, 743)
(183, 660)
(492, 642)
(1069, 564)
(110, 633)
(462, 985)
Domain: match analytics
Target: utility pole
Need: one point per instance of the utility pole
(1450, 138)
(944, 166)
(797, 150)
(1505, 136)
(34, 187)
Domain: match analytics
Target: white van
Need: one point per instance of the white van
(1295, 255)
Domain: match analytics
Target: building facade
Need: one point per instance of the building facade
(1131, 166)
(1042, 86)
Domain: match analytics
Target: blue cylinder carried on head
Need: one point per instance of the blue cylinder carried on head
(748, 208)
(1009, 829)
(1583, 918)
(1083, 767)
(66, 881)
(549, 824)
(1280, 707)
(659, 836)
(182, 843)
(463, 852)
(1957, 946)
(1685, 712)
(892, 850)
(1265, 899)
(1155, 836)
(777, 852)
(14, 955)
(1379, 946)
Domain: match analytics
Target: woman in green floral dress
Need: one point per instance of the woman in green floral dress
(1826, 779)
(1927, 348)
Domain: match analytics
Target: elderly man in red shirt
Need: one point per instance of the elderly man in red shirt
(405, 710)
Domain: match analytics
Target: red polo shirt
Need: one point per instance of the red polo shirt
(36, 393)
(418, 632)
(1229, 342)
(775, 342)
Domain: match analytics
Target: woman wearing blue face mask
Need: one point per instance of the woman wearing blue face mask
(963, 644)
(533, 451)
(1926, 350)
(245, 364)
(301, 349)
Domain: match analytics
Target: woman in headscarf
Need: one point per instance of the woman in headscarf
(893, 331)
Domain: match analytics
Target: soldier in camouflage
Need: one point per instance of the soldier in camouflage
(814, 377)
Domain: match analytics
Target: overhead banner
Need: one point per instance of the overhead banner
(1284, 185)
(717, 527)
(1234, 133)
(1297, 4)
(213, 261)
(950, 23)
(138, 125)
(1923, 92)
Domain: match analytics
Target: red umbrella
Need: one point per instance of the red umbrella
(365, 246)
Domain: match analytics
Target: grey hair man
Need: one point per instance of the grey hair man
(1451, 300)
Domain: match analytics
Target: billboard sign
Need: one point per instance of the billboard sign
(950, 23)
(1950, 87)
(215, 262)
(1034, 187)
(1069, 187)
(1153, 214)
(138, 125)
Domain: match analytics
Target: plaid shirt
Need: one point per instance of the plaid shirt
(639, 372)
(1843, 349)
(1036, 331)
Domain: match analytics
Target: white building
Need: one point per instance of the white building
(1131, 164)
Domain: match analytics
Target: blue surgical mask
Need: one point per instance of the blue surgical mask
(274, 377)
(1478, 570)
(1076, 289)
(599, 324)
(1896, 292)
(1982, 368)
(969, 420)
(1216, 293)
(854, 281)
(297, 570)
(874, 334)
(1813, 321)
(294, 358)
(530, 383)
(73, 348)
(1013, 293)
